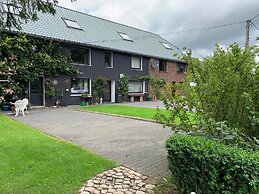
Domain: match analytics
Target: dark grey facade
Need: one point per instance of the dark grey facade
(121, 65)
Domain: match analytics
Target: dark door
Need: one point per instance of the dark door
(107, 92)
(36, 92)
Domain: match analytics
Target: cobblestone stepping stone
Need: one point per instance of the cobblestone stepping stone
(119, 180)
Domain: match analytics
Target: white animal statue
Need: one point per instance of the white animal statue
(20, 106)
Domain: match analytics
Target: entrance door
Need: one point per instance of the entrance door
(107, 92)
(36, 92)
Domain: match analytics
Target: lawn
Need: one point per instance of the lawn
(32, 162)
(131, 111)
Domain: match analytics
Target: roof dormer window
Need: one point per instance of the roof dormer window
(166, 45)
(125, 36)
(72, 24)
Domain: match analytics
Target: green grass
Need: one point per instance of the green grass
(32, 162)
(131, 111)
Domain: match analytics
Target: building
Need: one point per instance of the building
(101, 48)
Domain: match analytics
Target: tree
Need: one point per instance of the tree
(24, 59)
(225, 97)
(123, 87)
(15, 12)
(98, 88)
(156, 86)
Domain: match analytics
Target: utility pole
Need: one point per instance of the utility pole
(247, 32)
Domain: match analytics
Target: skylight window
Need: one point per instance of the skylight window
(125, 36)
(166, 45)
(72, 24)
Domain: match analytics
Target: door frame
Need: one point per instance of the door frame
(43, 90)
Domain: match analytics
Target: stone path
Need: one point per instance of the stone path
(120, 180)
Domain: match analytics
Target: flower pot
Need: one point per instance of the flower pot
(5, 107)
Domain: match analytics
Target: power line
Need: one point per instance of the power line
(255, 17)
(174, 32)
(255, 26)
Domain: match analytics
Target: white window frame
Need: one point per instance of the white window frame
(141, 83)
(89, 57)
(166, 45)
(79, 93)
(111, 60)
(72, 24)
(125, 36)
(141, 63)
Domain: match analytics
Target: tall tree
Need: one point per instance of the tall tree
(15, 12)
(24, 59)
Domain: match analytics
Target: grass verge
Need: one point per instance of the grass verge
(32, 162)
(130, 111)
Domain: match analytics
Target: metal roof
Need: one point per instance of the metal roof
(98, 32)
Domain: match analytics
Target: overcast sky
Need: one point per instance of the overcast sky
(163, 16)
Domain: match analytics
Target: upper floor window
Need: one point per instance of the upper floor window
(72, 24)
(80, 56)
(125, 36)
(108, 59)
(135, 86)
(180, 68)
(79, 85)
(136, 63)
(162, 65)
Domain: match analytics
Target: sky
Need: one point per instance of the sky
(170, 17)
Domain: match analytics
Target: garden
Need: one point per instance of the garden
(219, 153)
(215, 122)
(32, 162)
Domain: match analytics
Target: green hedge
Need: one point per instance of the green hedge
(206, 166)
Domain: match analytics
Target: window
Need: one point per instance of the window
(79, 85)
(181, 68)
(72, 24)
(80, 56)
(108, 59)
(162, 65)
(166, 45)
(136, 63)
(125, 36)
(135, 86)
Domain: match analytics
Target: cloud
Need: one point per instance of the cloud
(178, 15)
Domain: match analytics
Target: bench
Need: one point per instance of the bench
(133, 95)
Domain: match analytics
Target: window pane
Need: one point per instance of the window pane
(166, 45)
(125, 36)
(162, 65)
(108, 59)
(136, 63)
(80, 56)
(79, 85)
(136, 86)
(72, 24)
(181, 68)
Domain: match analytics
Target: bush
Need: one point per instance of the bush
(206, 166)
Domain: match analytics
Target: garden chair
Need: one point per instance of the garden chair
(20, 106)
(26, 102)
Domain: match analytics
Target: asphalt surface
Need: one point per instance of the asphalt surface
(136, 144)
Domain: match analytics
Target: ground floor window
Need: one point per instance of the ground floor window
(135, 86)
(79, 85)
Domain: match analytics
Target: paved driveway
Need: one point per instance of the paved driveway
(133, 143)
